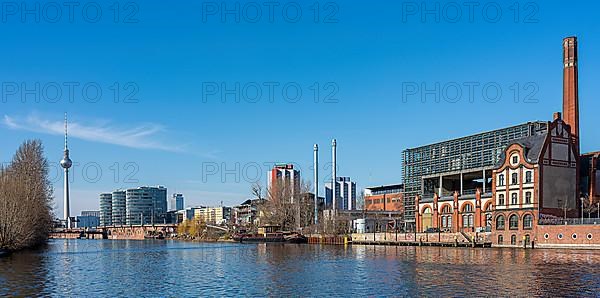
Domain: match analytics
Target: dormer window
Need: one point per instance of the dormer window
(514, 159)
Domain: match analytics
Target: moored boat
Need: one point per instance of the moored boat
(270, 233)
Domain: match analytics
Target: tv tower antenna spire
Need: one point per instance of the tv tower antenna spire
(66, 163)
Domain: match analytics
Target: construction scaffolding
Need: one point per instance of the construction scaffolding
(443, 167)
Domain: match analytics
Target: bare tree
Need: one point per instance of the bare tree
(589, 206)
(257, 191)
(25, 198)
(360, 201)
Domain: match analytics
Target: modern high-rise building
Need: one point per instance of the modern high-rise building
(119, 208)
(177, 202)
(283, 178)
(106, 209)
(346, 194)
(146, 205)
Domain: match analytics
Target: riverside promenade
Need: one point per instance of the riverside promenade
(406, 239)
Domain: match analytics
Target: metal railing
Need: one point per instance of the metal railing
(569, 221)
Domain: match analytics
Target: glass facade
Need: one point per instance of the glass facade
(146, 205)
(118, 207)
(463, 154)
(105, 209)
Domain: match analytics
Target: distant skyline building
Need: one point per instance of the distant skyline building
(213, 215)
(134, 206)
(106, 209)
(88, 220)
(284, 176)
(384, 198)
(346, 194)
(119, 208)
(177, 202)
(90, 213)
(146, 205)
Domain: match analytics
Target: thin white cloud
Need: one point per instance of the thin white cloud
(144, 136)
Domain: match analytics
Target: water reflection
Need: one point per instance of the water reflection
(164, 268)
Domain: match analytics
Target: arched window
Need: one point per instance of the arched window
(501, 180)
(468, 208)
(447, 209)
(446, 216)
(514, 179)
(513, 239)
(500, 222)
(513, 222)
(500, 239)
(528, 221)
(500, 200)
(528, 197)
(513, 199)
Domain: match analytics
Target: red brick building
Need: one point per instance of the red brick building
(536, 179)
(384, 198)
(540, 180)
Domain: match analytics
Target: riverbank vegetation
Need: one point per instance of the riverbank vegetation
(25, 199)
(197, 230)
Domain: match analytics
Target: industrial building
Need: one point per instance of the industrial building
(460, 165)
(541, 185)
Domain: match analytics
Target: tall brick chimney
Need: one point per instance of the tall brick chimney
(570, 87)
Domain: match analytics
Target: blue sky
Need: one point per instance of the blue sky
(369, 57)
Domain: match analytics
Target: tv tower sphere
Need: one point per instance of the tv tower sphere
(66, 161)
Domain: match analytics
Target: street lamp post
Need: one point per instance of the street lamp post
(581, 209)
(439, 228)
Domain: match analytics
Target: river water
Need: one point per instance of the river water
(117, 268)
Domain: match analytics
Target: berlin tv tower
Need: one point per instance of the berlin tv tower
(66, 163)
